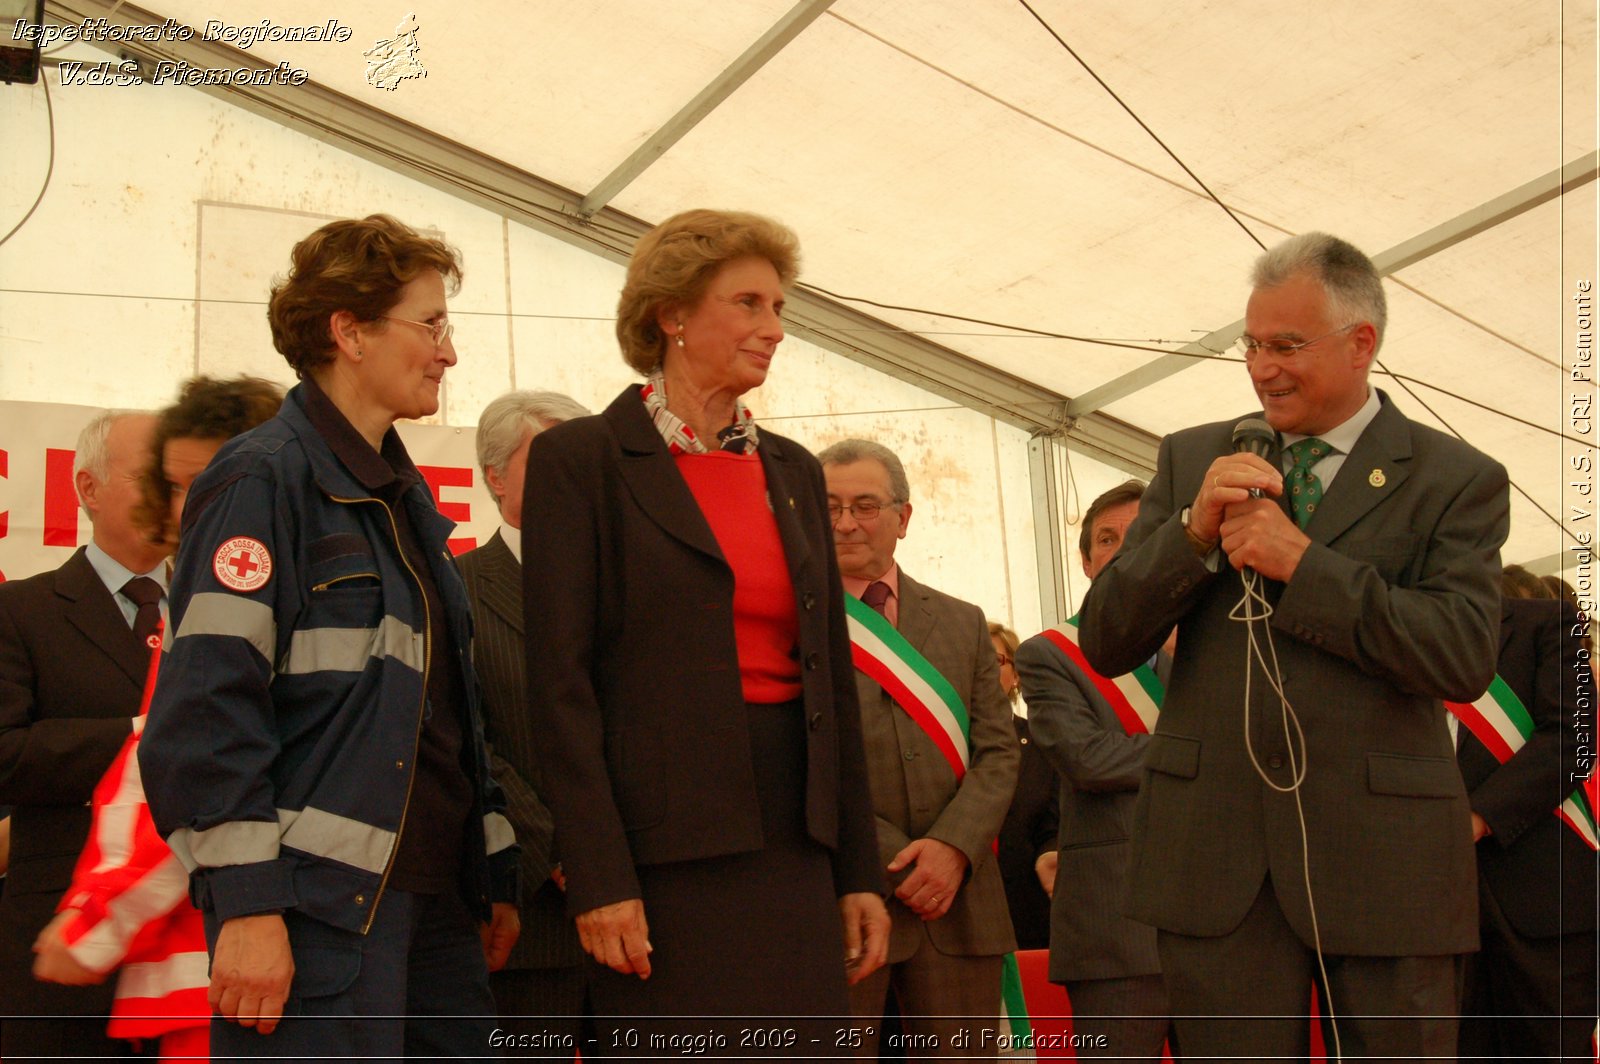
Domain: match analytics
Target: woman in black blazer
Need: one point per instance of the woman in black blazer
(689, 665)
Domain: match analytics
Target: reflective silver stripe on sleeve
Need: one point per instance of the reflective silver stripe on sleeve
(215, 613)
(497, 833)
(235, 843)
(349, 649)
(338, 838)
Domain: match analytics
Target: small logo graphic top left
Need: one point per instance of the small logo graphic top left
(391, 61)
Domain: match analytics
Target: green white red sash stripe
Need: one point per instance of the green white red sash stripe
(925, 696)
(1135, 697)
(1500, 721)
(911, 680)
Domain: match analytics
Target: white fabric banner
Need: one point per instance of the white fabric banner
(41, 523)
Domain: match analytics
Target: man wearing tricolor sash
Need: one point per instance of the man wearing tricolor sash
(1530, 992)
(1095, 731)
(942, 758)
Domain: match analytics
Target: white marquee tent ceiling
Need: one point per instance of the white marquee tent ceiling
(953, 156)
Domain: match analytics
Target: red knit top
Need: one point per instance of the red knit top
(732, 492)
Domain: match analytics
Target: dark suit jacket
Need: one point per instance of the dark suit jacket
(494, 588)
(1100, 766)
(1029, 830)
(1539, 871)
(915, 793)
(1394, 606)
(71, 677)
(633, 674)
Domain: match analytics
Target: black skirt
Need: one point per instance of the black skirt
(748, 955)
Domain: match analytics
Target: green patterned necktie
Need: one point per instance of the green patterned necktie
(1305, 487)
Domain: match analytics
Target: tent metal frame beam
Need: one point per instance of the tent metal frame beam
(422, 155)
(1049, 531)
(786, 29)
(1464, 226)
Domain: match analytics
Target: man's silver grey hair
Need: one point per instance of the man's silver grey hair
(855, 450)
(92, 455)
(503, 421)
(1352, 284)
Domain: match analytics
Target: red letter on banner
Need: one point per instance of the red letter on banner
(460, 512)
(60, 500)
(5, 515)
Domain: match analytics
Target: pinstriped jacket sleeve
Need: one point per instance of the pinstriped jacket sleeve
(209, 748)
(498, 653)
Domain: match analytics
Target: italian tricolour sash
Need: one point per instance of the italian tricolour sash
(922, 692)
(1135, 697)
(911, 680)
(1500, 721)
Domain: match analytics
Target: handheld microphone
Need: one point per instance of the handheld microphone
(1254, 436)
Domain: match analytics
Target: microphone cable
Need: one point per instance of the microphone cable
(1253, 607)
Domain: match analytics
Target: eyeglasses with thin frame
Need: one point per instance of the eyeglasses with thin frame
(1248, 345)
(861, 509)
(440, 329)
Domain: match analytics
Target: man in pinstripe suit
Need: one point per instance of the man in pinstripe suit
(544, 977)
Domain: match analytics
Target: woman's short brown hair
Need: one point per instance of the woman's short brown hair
(207, 409)
(1517, 582)
(355, 265)
(675, 261)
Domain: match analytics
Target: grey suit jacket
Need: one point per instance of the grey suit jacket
(1394, 606)
(914, 791)
(1100, 765)
(494, 587)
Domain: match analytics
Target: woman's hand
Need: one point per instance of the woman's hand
(251, 971)
(617, 936)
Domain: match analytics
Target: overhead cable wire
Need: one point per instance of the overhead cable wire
(1452, 430)
(50, 168)
(1135, 116)
(1208, 355)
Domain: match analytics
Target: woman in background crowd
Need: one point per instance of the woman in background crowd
(128, 906)
(1027, 850)
(689, 664)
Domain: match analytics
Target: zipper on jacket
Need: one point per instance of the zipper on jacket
(326, 584)
(416, 739)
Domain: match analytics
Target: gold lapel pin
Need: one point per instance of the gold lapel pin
(791, 502)
(1377, 479)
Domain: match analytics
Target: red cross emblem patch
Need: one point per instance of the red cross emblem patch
(242, 564)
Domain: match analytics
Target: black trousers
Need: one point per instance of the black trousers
(1528, 998)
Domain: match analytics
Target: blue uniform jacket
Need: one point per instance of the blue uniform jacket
(282, 740)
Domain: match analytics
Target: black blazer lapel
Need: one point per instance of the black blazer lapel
(500, 582)
(90, 608)
(1374, 470)
(785, 487)
(653, 479)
